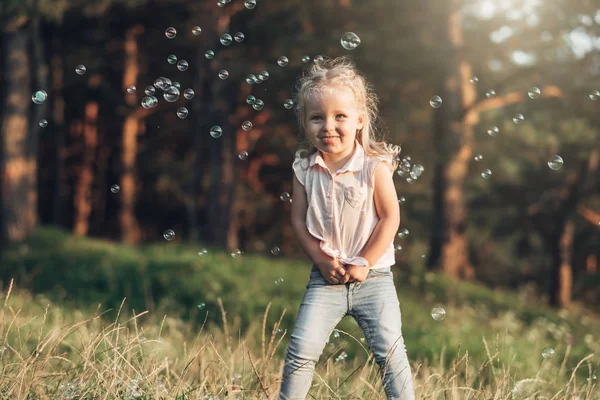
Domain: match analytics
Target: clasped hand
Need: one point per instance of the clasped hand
(337, 273)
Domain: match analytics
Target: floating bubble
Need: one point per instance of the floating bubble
(149, 90)
(131, 89)
(172, 59)
(478, 157)
(209, 54)
(170, 32)
(594, 95)
(202, 252)
(216, 131)
(226, 39)
(115, 188)
(474, 80)
(171, 94)
(278, 281)
(548, 353)
(39, 97)
(282, 61)
(162, 82)
(534, 93)
(182, 65)
(306, 59)
(196, 30)
(350, 41)
(263, 75)
(239, 37)
(247, 126)
(555, 163)
(236, 253)
(319, 59)
(149, 102)
(289, 103)
(486, 174)
(435, 102)
(438, 313)
(221, 3)
(410, 180)
(397, 247)
(201, 305)
(250, 4)
(169, 234)
(250, 99)
(80, 69)
(518, 118)
(401, 199)
(188, 94)
(43, 123)
(258, 105)
(251, 79)
(403, 233)
(493, 131)
(285, 196)
(176, 84)
(223, 74)
(336, 334)
(243, 155)
(490, 93)
(182, 112)
(417, 171)
(275, 251)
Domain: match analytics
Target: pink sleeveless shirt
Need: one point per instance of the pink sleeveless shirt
(341, 208)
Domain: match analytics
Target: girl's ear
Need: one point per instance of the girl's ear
(361, 121)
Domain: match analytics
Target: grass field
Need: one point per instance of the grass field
(87, 319)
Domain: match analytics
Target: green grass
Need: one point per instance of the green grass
(500, 335)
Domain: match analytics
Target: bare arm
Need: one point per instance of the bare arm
(388, 211)
(309, 244)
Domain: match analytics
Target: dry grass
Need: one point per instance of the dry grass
(49, 353)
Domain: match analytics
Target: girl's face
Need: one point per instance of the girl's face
(331, 121)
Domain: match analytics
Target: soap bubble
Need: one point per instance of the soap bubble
(548, 353)
(196, 30)
(171, 94)
(209, 54)
(115, 188)
(319, 59)
(247, 126)
(39, 97)
(149, 90)
(202, 252)
(201, 305)
(306, 59)
(401, 199)
(250, 4)
(263, 75)
(282, 61)
(493, 131)
(555, 163)
(131, 89)
(223, 74)
(474, 80)
(216, 131)
(162, 82)
(518, 118)
(478, 157)
(80, 69)
(275, 251)
(436, 102)
(397, 247)
(403, 233)
(278, 281)
(176, 84)
(289, 103)
(182, 112)
(251, 79)
(250, 99)
(594, 95)
(172, 59)
(534, 93)
(486, 174)
(149, 102)
(243, 155)
(438, 313)
(239, 37)
(285, 196)
(258, 105)
(236, 253)
(226, 39)
(490, 93)
(182, 65)
(350, 41)
(43, 123)
(170, 32)
(188, 94)
(169, 234)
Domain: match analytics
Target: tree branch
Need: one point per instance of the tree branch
(590, 215)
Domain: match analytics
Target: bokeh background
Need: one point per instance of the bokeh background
(88, 197)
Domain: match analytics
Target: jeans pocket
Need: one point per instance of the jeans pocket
(381, 272)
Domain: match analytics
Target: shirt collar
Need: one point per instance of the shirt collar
(355, 163)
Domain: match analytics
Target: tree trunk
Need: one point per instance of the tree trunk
(458, 129)
(566, 270)
(83, 191)
(19, 160)
(130, 228)
(59, 131)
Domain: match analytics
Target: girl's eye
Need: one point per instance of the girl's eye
(341, 116)
(316, 117)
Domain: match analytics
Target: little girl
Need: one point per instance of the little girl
(345, 214)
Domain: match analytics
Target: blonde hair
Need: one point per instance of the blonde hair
(342, 71)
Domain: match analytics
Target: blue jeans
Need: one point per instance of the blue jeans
(375, 307)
